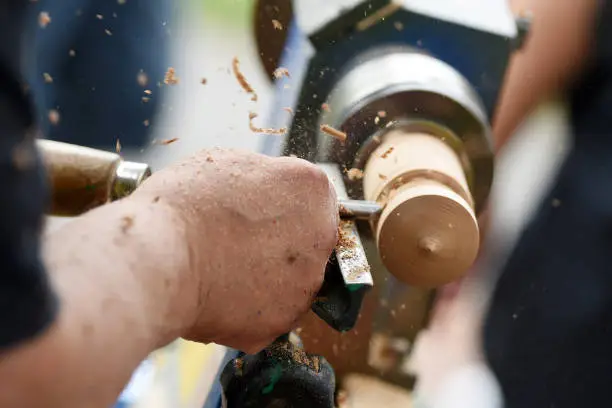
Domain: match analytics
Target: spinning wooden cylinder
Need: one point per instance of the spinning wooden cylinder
(427, 234)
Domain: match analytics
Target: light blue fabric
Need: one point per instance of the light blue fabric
(139, 385)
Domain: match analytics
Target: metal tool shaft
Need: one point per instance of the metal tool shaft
(359, 209)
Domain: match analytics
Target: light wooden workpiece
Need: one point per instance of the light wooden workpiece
(360, 391)
(427, 234)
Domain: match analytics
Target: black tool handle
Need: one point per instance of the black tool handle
(280, 376)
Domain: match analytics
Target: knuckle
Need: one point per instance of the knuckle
(309, 173)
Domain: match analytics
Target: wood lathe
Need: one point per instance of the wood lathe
(411, 86)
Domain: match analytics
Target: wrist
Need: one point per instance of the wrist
(166, 273)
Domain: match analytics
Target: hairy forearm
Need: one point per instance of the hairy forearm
(555, 53)
(118, 303)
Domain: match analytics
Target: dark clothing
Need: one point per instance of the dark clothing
(27, 304)
(98, 52)
(97, 92)
(548, 335)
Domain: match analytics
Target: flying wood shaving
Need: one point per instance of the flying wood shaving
(271, 131)
(47, 77)
(108, 32)
(44, 19)
(118, 146)
(203, 81)
(170, 78)
(277, 24)
(326, 107)
(387, 152)
(338, 134)
(281, 72)
(242, 80)
(142, 79)
(54, 117)
(354, 174)
(166, 142)
(288, 110)
(382, 114)
(23, 157)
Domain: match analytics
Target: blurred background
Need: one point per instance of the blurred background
(206, 36)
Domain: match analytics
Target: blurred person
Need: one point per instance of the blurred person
(546, 333)
(94, 69)
(181, 257)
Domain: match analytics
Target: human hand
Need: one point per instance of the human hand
(259, 231)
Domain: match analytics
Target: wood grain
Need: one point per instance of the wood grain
(428, 234)
(80, 178)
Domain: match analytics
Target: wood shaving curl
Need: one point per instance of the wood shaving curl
(277, 24)
(354, 174)
(170, 77)
(166, 142)
(23, 157)
(281, 72)
(242, 79)
(335, 133)
(387, 152)
(44, 19)
(288, 110)
(271, 131)
(54, 117)
(142, 79)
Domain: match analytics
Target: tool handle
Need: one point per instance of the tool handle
(427, 234)
(282, 375)
(82, 178)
